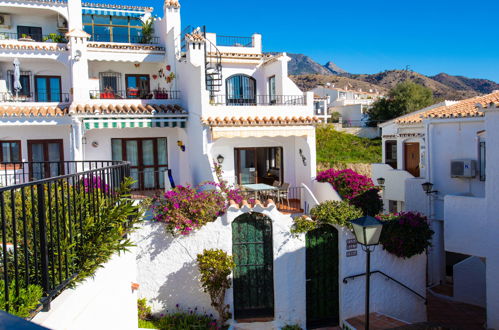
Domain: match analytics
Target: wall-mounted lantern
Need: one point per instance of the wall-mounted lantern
(220, 159)
(303, 158)
(428, 188)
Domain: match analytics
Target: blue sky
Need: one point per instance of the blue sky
(453, 36)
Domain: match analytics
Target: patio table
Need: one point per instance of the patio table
(258, 188)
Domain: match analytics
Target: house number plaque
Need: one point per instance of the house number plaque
(351, 244)
(352, 253)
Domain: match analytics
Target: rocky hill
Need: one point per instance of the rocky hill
(307, 74)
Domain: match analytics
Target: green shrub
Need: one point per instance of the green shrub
(369, 202)
(335, 213)
(181, 320)
(144, 311)
(291, 327)
(21, 305)
(215, 267)
(303, 224)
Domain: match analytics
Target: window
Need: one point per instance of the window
(10, 151)
(272, 93)
(32, 32)
(48, 89)
(391, 153)
(25, 81)
(393, 206)
(241, 89)
(113, 28)
(481, 159)
(137, 86)
(110, 82)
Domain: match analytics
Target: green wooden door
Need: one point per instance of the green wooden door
(253, 275)
(322, 277)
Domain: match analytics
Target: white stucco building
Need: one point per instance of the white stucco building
(351, 104)
(86, 81)
(446, 145)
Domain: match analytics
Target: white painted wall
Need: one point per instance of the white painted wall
(168, 274)
(394, 182)
(469, 281)
(103, 302)
(386, 296)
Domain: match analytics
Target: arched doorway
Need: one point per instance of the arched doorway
(322, 277)
(241, 89)
(253, 274)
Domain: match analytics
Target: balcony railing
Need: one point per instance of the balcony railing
(259, 100)
(43, 222)
(159, 94)
(38, 96)
(231, 41)
(124, 38)
(53, 37)
(287, 200)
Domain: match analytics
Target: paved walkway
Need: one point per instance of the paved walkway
(454, 315)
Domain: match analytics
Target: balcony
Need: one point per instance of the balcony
(131, 94)
(231, 41)
(38, 96)
(52, 37)
(259, 100)
(125, 38)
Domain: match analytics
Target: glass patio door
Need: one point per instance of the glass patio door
(137, 86)
(148, 160)
(47, 158)
(246, 166)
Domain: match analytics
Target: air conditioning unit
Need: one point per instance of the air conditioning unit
(5, 21)
(463, 168)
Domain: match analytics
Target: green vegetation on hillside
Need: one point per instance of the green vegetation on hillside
(404, 98)
(338, 148)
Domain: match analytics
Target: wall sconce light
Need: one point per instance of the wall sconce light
(220, 159)
(77, 56)
(95, 144)
(428, 188)
(381, 182)
(303, 158)
(181, 145)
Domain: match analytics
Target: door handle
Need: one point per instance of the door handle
(308, 280)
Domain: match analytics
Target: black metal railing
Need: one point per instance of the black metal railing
(352, 277)
(43, 221)
(259, 100)
(151, 179)
(124, 38)
(53, 37)
(232, 41)
(158, 94)
(37, 96)
(288, 200)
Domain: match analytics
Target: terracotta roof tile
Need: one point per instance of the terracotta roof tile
(194, 37)
(33, 46)
(33, 111)
(462, 109)
(264, 121)
(172, 3)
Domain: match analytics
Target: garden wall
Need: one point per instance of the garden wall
(168, 273)
(103, 302)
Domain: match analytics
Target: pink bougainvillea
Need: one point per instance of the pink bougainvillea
(347, 183)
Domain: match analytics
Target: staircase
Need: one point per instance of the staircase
(212, 56)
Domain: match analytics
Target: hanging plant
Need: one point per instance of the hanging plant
(154, 76)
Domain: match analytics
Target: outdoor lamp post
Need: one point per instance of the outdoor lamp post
(428, 188)
(367, 231)
(381, 182)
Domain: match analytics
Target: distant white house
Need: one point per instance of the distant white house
(445, 145)
(351, 104)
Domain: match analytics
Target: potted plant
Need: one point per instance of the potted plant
(147, 31)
